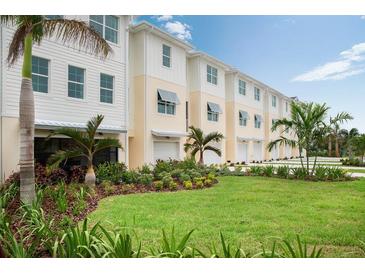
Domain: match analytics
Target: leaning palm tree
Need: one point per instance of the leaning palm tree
(198, 142)
(32, 29)
(85, 146)
(334, 126)
(307, 124)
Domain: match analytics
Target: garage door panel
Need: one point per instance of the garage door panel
(166, 150)
(211, 157)
(257, 149)
(242, 152)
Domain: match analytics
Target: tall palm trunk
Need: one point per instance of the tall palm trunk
(329, 146)
(201, 159)
(26, 120)
(337, 147)
(90, 177)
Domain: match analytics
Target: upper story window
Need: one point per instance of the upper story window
(257, 94)
(106, 88)
(258, 120)
(166, 56)
(76, 80)
(52, 17)
(273, 101)
(212, 75)
(286, 106)
(243, 117)
(241, 87)
(166, 102)
(40, 74)
(106, 25)
(213, 111)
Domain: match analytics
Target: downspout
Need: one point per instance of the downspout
(126, 79)
(145, 92)
(2, 176)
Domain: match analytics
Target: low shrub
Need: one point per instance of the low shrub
(145, 169)
(173, 186)
(256, 170)
(188, 185)
(130, 177)
(321, 173)
(108, 187)
(199, 184)
(162, 166)
(79, 207)
(127, 188)
(176, 173)
(159, 176)
(145, 179)
(158, 185)
(208, 182)
(166, 181)
(65, 222)
(336, 174)
(299, 172)
(110, 171)
(184, 177)
(283, 172)
(77, 174)
(268, 170)
(59, 196)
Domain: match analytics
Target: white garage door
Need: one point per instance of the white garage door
(211, 157)
(257, 151)
(275, 152)
(287, 151)
(242, 152)
(165, 150)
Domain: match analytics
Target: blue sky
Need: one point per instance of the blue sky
(317, 58)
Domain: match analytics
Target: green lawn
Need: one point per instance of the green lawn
(248, 210)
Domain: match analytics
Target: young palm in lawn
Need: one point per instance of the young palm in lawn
(307, 124)
(198, 142)
(85, 145)
(334, 126)
(32, 29)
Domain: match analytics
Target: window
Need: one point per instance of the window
(213, 111)
(241, 87)
(286, 106)
(106, 25)
(258, 120)
(76, 82)
(39, 74)
(212, 75)
(166, 102)
(106, 88)
(257, 94)
(287, 130)
(273, 101)
(54, 17)
(166, 56)
(243, 117)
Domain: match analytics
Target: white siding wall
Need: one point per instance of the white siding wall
(248, 99)
(56, 105)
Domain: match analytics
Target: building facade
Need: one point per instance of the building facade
(150, 90)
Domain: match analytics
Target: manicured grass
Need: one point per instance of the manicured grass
(249, 210)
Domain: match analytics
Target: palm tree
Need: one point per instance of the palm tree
(198, 142)
(85, 145)
(359, 145)
(334, 126)
(347, 136)
(32, 29)
(307, 124)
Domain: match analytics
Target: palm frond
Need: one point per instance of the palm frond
(214, 149)
(107, 143)
(196, 134)
(76, 135)
(282, 141)
(93, 125)
(16, 47)
(8, 19)
(188, 146)
(77, 32)
(213, 136)
(62, 155)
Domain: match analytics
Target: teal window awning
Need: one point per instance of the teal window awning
(244, 115)
(214, 107)
(168, 96)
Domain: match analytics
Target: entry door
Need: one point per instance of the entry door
(257, 150)
(165, 150)
(242, 152)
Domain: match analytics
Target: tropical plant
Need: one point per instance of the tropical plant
(307, 124)
(283, 171)
(359, 146)
(85, 146)
(198, 142)
(334, 131)
(32, 29)
(347, 137)
(268, 170)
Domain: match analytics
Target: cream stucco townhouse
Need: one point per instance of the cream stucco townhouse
(158, 98)
(70, 86)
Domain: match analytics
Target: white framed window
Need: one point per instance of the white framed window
(258, 121)
(106, 88)
(106, 25)
(212, 75)
(76, 81)
(213, 111)
(241, 87)
(257, 94)
(243, 117)
(273, 101)
(52, 17)
(166, 102)
(166, 56)
(40, 74)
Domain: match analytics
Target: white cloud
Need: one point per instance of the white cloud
(362, 17)
(351, 62)
(163, 18)
(179, 29)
